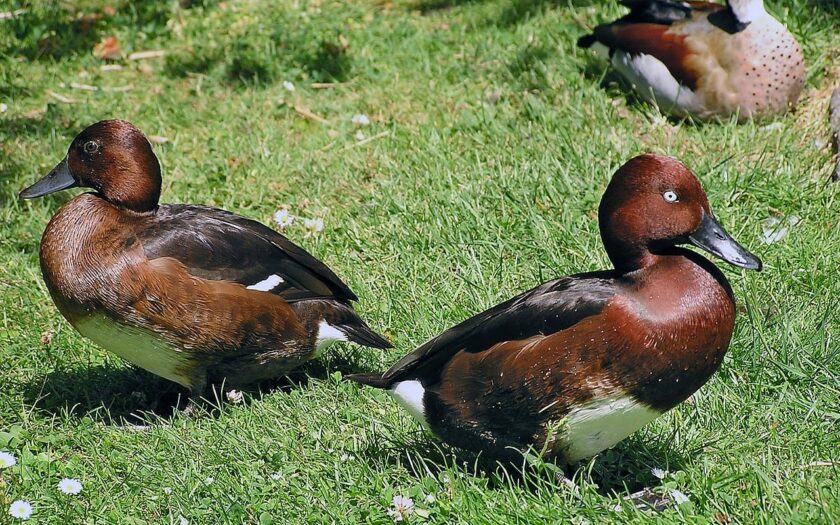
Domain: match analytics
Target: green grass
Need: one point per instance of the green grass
(462, 202)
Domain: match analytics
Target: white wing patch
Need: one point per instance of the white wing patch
(409, 394)
(601, 424)
(267, 284)
(140, 347)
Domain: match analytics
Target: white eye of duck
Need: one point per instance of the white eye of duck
(670, 196)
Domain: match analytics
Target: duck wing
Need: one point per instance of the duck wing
(544, 310)
(218, 245)
(647, 38)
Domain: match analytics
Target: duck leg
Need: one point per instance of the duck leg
(197, 398)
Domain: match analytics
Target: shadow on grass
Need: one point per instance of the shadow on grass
(609, 80)
(132, 396)
(58, 30)
(832, 7)
(40, 124)
(513, 12)
(624, 469)
(265, 61)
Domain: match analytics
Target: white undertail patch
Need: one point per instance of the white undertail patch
(327, 335)
(267, 284)
(409, 394)
(599, 425)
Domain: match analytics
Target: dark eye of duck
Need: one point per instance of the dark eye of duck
(91, 147)
(670, 196)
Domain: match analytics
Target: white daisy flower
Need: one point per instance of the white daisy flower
(20, 509)
(402, 508)
(313, 226)
(7, 460)
(209, 480)
(3, 107)
(70, 486)
(679, 497)
(658, 473)
(183, 521)
(283, 218)
(360, 120)
(167, 490)
(234, 396)
(276, 476)
(288, 86)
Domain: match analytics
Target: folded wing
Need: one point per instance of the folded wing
(217, 245)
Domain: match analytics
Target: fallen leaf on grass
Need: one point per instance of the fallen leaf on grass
(145, 55)
(107, 49)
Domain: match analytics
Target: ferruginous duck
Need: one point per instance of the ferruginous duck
(575, 365)
(705, 60)
(193, 294)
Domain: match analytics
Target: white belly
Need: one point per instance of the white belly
(601, 424)
(138, 346)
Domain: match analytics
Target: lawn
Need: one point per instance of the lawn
(491, 140)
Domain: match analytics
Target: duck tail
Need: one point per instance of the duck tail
(587, 41)
(332, 320)
(374, 379)
(361, 333)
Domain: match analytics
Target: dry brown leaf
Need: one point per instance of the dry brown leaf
(107, 49)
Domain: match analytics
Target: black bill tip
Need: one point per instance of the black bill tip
(711, 236)
(60, 178)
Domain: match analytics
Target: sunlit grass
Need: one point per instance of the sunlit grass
(491, 139)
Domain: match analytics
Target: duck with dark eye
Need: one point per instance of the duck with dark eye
(575, 365)
(703, 59)
(193, 294)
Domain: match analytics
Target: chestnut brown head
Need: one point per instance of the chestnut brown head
(113, 158)
(654, 203)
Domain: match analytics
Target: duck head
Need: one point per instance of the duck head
(113, 158)
(655, 203)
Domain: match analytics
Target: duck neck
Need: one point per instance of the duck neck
(627, 258)
(135, 194)
(747, 11)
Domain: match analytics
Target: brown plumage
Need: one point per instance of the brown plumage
(192, 294)
(577, 364)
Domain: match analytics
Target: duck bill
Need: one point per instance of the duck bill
(711, 236)
(60, 178)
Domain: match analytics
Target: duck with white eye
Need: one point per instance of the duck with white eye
(584, 354)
